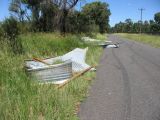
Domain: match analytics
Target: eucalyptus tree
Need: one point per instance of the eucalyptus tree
(136, 27)
(146, 27)
(119, 27)
(99, 12)
(64, 6)
(157, 21)
(128, 25)
(44, 11)
(18, 10)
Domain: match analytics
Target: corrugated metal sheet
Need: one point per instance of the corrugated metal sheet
(74, 62)
(53, 73)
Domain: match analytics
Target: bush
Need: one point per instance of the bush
(1, 32)
(24, 27)
(11, 32)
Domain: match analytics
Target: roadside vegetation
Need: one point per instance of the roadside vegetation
(40, 29)
(148, 27)
(153, 40)
(99, 36)
(23, 98)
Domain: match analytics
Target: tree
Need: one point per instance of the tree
(136, 27)
(48, 13)
(128, 25)
(18, 11)
(35, 7)
(64, 7)
(146, 27)
(154, 28)
(157, 18)
(99, 12)
(156, 25)
(78, 22)
(119, 27)
(44, 11)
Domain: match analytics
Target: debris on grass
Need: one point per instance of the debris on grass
(56, 73)
(109, 45)
(104, 44)
(74, 77)
(60, 69)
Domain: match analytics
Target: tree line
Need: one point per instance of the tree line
(61, 15)
(128, 26)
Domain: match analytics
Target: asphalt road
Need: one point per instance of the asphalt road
(127, 86)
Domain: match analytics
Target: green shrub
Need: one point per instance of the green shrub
(24, 27)
(1, 32)
(11, 32)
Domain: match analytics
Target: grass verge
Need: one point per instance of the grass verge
(99, 36)
(153, 40)
(23, 98)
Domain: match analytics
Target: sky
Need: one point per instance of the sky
(120, 9)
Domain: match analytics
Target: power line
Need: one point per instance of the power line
(141, 12)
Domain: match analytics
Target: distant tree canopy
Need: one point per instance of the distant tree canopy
(98, 12)
(157, 18)
(50, 15)
(152, 26)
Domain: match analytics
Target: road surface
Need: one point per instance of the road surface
(127, 86)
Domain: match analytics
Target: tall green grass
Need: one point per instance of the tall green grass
(42, 44)
(97, 36)
(22, 98)
(153, 40)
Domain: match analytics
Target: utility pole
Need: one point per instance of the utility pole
(141, 11)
